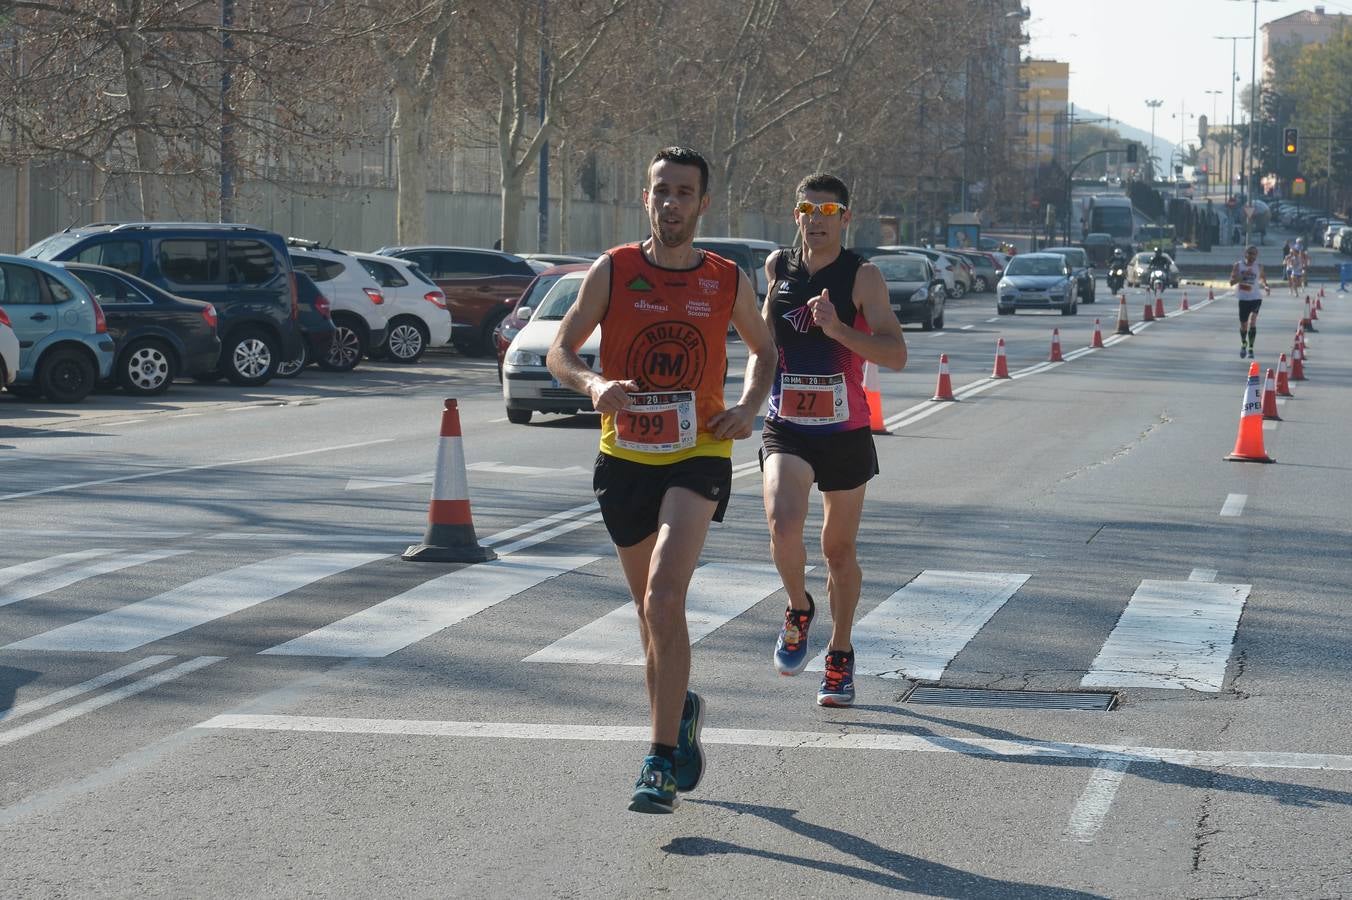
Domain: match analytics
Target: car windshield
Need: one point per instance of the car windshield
(1076, 257)
(1034, 265)
(895, 269)
(559, 299)
(48, 248)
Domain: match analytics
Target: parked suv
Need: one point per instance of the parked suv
(357, 304)
(64, 345)
(241, 270)
(476, 284)
(418, 315)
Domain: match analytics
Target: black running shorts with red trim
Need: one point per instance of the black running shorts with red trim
(630, 493)
(1246, 307)
(840, 462)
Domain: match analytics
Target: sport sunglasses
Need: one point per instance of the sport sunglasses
(829, 208)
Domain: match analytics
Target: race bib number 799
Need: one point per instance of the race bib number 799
(661, 422)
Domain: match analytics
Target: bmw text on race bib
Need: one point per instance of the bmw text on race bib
(657, 422)
(813, 399)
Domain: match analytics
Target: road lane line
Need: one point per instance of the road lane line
(966, 327)
(797, 740)
(537, 524)
(140, 686)
(195, 603)
(430, 607)
(11, 574)
(1092, 808)
(1234, 504)
(58, 580)
(916, 632)
(118, 422)
(1174, 635)
(84, 687)
(718, 593)
(1203, 575)
(556, 531)
(159, 473)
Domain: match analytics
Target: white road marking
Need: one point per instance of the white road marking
(542, 537)
(1203, 575)
(194, 603)
(718, 593)
(18, 534)
(1034, 370)
(118, 422)
(1173, 634)
(84, 687)
(56, 581)
(159, 473)
(1234, 504)
(11, 574)
(996, 319)
(1092, 808)
(430, 607)
(797, 740)
(967, 328)
(370, 483)
(935, 334)
(141, 685)
(497, 468)
(1270, 425)
(1076, 354)
(283, 538)
(916, 632)
(244, 408)
(186, 416)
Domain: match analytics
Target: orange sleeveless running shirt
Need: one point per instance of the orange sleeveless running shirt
(666, 329)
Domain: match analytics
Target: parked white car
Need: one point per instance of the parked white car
(356, 300)
(527, 385)
(419, 316)
(9, 351)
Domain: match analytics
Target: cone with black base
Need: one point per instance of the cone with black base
(450, 534)
(1249, 442)
(1123, 322)
(1270, 397)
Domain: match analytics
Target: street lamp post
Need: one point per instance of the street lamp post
(1253, 114)
(1230, 131)
(1154, 105)
(1214, 96)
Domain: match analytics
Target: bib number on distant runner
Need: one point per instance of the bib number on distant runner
(813, 399)
(657, 423)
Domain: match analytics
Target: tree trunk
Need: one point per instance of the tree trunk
(513, 202)
(410, 133)
(565, 195)
(147, 156)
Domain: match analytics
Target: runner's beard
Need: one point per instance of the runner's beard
(675, 235)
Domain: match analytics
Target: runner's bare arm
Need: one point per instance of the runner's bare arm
(578, 324)
(885, 346)
(740, 420)
(1234, 274)
(771, 264)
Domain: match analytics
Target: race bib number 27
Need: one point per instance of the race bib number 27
(662, 422)
(813, 399)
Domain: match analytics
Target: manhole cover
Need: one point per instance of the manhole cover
(978, 697)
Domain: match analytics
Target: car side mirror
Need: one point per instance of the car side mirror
(523, 313)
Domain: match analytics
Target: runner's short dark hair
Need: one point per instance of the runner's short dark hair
(686, 157)
(822, 181)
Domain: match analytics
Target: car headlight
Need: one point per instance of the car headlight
(523, 358)
(922, 294)
(1004, 287)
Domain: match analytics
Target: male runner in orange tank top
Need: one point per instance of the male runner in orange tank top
(665, 466)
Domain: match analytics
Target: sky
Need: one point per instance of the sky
(1125, 52)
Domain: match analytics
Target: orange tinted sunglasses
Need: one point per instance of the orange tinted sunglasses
(829, 208)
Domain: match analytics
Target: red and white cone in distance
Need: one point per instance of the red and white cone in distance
(1319, 301)
(450, 534)
(1159, 306)
(1056, 347)
(1300, 342)
(1249, 442)
(1123, 323)
(1270, 396)
(944, 389)
(1305, 320)
(1297, 364)
(1001, 369)
(1321, 292)
(873, 393)
(1149, 314)
(1314, 309)
(1098, 336)
(1283, 377)
(1211, 293)
(1184, 305)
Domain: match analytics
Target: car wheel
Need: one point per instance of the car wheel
(928, 323)
(345, 351)
(249, 359)
(518, 416)
(292, 368)
(1003, 311)
(939, 319)
(66, 375)
(959, 290)
(981, 285)
(407, 341)
(485, 346)
(146, 368)
(1069, 309)
(26, 391)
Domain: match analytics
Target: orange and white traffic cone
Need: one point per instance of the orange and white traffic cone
(873, 391)
(1056, 347)
(1249, 442)
(1211, 293)
(1098, 336)
(1283, 377)
(1297, 364)
(1270, 396)
(1184, 305)
(944, 389)
(1321, 292)
(450, 534)
(1314, 310)
(1149, 314)
(1305, 320)
(1319, 301)
(1123, 323)
(1001, 369)
(1159, 306)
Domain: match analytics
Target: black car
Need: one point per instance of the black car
(243, 271)
(158, 336)
(1085, 280)
(914, 291)
(316, 326)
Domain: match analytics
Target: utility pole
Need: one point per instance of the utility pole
(1154, 105)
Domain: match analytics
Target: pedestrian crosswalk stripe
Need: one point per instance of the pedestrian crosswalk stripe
(194, 603)
(428, 608)
(93, 684)
(11, 574)
(1173, 634)
(718, 593)
(55, 581)
(916, 632)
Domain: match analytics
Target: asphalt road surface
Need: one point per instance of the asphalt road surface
(217, 677)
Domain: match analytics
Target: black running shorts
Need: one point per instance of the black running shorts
(840, 462)
(1246, 307)
(630, 494)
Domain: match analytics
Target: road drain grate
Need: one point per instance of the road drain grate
(975, 697)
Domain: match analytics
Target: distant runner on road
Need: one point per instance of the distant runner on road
(1245, 275)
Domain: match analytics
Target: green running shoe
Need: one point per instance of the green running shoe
(689, 754)
(656, 788)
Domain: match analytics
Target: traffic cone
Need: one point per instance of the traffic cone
(1159, 306)
(1319, 301)
(1184, 306)
(1211, 293)
(1056, 347)
(1270, 396)
(1283, 377)
(1314, 310)
(1149, 315)
(944, 389)
(1123, 323)
(1297, 364)
(1001, 369)
(1249, 442)
(1098, 336)
(450, 534)
(1321, 292)
(873, 391)
(1305, 320)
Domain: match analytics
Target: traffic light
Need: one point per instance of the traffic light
(1131, 153)
(1290, 142)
